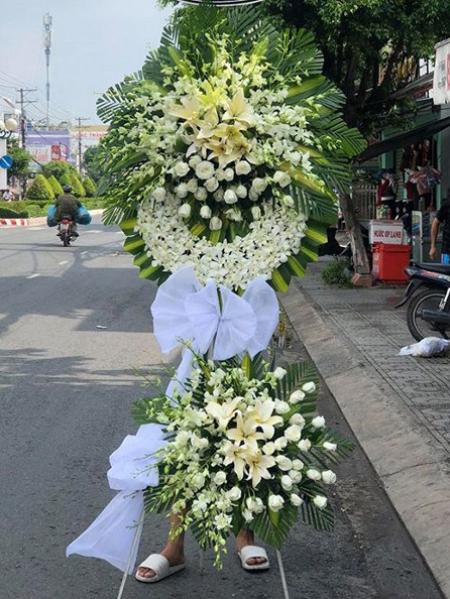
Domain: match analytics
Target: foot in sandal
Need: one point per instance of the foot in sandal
(252, 557)
(158, 566)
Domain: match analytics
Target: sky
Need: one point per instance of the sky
(95, 43)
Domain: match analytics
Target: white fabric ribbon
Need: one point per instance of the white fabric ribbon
(182, 311)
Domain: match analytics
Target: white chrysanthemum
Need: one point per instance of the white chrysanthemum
(181, 169)
(205, 212)
(204, 170)
(243, 168)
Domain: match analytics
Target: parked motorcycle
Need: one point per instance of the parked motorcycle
(66, 231)
(428, 294)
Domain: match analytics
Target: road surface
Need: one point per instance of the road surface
(74, 328)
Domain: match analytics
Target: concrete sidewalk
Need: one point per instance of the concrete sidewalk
(398, 407)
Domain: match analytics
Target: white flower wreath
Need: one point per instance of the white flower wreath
(268, 244)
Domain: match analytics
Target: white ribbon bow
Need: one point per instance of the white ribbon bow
(182, 311)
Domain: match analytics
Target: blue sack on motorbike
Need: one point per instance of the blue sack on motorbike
(84, 217)
(51, 216)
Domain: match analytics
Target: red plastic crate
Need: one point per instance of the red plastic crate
(390, 261)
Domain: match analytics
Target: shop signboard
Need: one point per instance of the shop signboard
(385, 231)
(441, 79)
(48, 144)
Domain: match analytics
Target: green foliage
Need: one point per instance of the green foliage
(92, 163)
(89, 187)
(58, 168)
(55, 185)
(77, 186)
(371, 48)
(9, 213)
(336, 273)
(21, 160)
(40, 189)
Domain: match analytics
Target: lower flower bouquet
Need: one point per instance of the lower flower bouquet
(245, 448)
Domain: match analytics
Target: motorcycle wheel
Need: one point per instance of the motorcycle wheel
(429, 299)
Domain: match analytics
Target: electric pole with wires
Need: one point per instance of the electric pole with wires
(80, 119)
(23, 101)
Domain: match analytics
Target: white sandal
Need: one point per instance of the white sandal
(160, 566)
(251, 551)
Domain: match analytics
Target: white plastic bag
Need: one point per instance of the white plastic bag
(428, 347)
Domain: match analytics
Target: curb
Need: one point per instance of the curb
(412, 469)
(37, 221)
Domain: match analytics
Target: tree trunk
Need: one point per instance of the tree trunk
(362, 275)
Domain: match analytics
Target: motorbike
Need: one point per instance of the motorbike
(428, 294)
(65, 232)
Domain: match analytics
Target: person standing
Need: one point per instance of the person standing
(442, 218)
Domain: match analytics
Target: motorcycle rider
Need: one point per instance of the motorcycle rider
(442, 218)
(67, 205)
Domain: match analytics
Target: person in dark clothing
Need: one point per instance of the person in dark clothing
(67, 205)
(442, 218)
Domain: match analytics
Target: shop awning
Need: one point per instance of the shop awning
(403, 140)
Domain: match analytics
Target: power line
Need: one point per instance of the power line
(23, 101)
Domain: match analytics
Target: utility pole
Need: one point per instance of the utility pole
(47, 21)
(80, 119)
(24, 102)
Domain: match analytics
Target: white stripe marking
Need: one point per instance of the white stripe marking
(64, 262)
(34, 275)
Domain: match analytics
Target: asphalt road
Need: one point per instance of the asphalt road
(65, 391)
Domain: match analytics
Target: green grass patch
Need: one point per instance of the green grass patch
(337, 273)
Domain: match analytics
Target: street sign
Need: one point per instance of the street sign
(6, 161)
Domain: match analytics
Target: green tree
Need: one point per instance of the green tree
(40, 189)
(89, 187)
(21, 160)
(55, 185)
(92, 163)
(77, 186)
(58, 168)
(371, 48)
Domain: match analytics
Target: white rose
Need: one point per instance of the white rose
(276, 503)
(281, 407)
(293, 433)
(201, 194)
(329, 446)
(284, 463)
(298, 464)
(259, 185)
(218, 195)
(241, 191)
(320, 501)
(181, 169)
(159, 194)
(253, 196)
(280, 443)
(295, 499)
(247, 515)
(255, 504)
(228, 174)
(279, 373)
(318, 422)
(215, 224)
(204, 170)
(212, 184)
(184, 211)
(282, 178)
(297, 419)
(220, 175)
(313, 474)
(304, 445)
(296, 397)
(234, 494)
(243, 168)
(198, 481)
(309, 387)
(192, 185)
(205, 212)
(269, 448)
(329, 477)
(296, 476)
(181, 190)
(220, 478)
(286, 482)
(194, 161)
(230, 197)
(288, 201)
(256, 212)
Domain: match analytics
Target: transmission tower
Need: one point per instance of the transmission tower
(47, 21)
